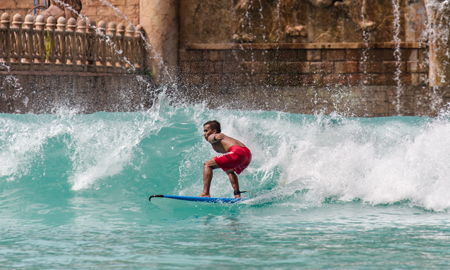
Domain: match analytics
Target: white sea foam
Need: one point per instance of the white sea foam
(305, 160)
(378, 161)
(104, 146)
(21, 143)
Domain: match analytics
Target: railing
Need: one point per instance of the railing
(82, 46)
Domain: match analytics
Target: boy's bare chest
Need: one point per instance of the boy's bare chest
(218, 147)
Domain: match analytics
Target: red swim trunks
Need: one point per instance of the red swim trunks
(237, 158)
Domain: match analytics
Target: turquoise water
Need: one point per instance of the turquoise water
(332, 192)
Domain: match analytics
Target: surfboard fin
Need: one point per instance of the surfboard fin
(160, 196)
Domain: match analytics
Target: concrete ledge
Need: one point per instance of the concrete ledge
(49, 67)
(294, 46)
(352, 101)
(65, 73)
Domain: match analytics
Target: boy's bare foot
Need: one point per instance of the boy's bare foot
(204, 195)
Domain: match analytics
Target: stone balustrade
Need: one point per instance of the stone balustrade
(57, 45)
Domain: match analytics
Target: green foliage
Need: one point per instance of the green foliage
(48, 45)
(148, 73)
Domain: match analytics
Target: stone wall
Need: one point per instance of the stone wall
(17, 6)
(354, 81)
(45, 92)
(305, 21)
(312, 56)
(295, 67)
(93, 9)
(97, 10)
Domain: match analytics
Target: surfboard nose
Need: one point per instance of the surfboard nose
(150, 198)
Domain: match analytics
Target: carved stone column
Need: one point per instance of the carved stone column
(159, 18)
(438, 15)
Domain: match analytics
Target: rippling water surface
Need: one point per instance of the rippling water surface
(332, 192)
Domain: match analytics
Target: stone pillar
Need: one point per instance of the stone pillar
(438, 15)
(159, 18)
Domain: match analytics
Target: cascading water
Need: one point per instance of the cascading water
(397, 52)
(438, 37)
(146, 43)
(108, 40)
(366, 40)
(262, 26)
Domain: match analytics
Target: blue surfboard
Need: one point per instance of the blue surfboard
(198, 199)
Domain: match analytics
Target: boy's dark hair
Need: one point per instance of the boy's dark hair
(214, 124)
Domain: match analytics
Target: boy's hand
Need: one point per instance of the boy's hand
(216, 137)
(219, 136)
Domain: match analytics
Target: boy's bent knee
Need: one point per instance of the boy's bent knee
(210, 163)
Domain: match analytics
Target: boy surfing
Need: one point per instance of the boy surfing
(235, 158)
